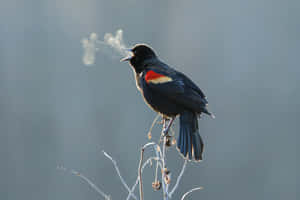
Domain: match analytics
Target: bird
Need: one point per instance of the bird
(171, 94)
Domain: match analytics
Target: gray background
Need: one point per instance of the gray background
(56, 111)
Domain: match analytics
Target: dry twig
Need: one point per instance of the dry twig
(140, 174)
(84, 178)
(190, 191)
(119, 173)
(160, 158)
(178, 179)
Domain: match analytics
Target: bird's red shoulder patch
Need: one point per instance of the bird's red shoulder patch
(153, 77)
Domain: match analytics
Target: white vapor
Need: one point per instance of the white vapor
(89, 47)
(92, 44)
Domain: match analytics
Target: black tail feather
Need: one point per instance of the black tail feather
(189, 141)
(190, 144)
(184, 144)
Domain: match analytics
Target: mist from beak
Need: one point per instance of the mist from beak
(117, 43)
(92, 44)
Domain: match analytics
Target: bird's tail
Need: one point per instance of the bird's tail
(189, 141)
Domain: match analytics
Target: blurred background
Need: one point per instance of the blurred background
(56, 111)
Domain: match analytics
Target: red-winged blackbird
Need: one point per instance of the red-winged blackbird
(170, 93)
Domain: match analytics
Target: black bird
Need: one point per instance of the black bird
(170, 93)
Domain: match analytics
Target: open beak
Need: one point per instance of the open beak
(128, 57)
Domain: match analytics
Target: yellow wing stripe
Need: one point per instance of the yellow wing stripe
(162, 79)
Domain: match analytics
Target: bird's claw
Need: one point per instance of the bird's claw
(165, 132)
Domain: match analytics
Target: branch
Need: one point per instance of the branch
(160, 158)
(149, 144)
(178, 179)
(163, 174)
(119, 173)
(152, 125)
(140, 167)
(92, 185)
(165, 189)
(140, 174)
(190, 191)
(149, 161)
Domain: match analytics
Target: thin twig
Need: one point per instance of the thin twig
(161, 157)
(165, 191)
(84, 178)
(140, 174)
(164, 162)
(156, 172)
(149, 144)
(137, 179)
(140, 167)
(153, 123)
(178, 179)
(157, 151)
(119, 173)
(190, 191)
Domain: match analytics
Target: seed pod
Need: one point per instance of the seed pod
(168, 141)
(167, 179)
(156, 185)
(149, 135)
(165, 171)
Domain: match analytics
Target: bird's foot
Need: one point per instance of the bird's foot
(165, 132)
(166, 128)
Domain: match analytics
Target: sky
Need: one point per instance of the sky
(54, 110)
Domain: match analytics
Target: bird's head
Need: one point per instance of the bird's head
(140, 53)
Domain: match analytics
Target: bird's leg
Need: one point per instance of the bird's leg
(164, 120)
(166, 127)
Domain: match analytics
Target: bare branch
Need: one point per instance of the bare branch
(140, 167)
(156, 171)
(163, 156)
(160, 158)
(140, 174)
(137, 180)
(178, 179)
(92, 185)
(165, 190)
(190, 191)
(152, 125)
(119, 174)
(149, 144)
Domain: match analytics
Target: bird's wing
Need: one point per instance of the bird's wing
(192, 85)
(172, 86)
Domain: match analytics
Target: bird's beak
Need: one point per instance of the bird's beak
(126, 59)
(129, 55)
